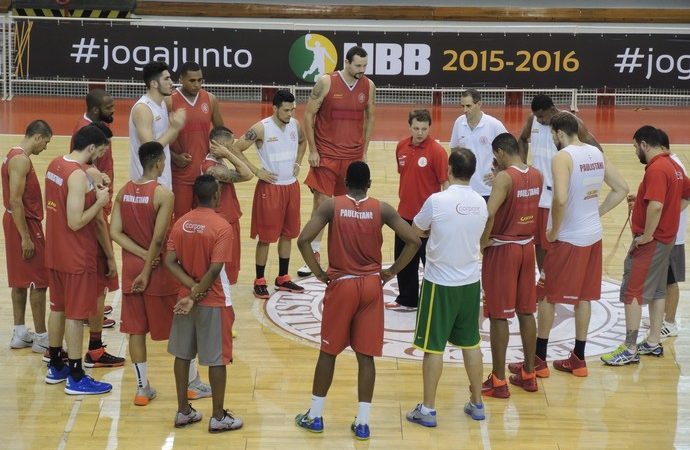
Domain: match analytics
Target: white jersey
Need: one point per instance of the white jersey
(683, 224)
(456, 218)
(278, 152)
(543, 149)
(581, 224)
(160, 125)
(479, 141)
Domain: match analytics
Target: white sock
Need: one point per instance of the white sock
(141, 373)
(193, 370)
(425, 410)
(316, 246)
(363, 413)
(20, 329)
(316, 409)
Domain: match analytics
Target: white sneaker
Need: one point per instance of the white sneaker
(669, 330)
(198, 389)
(305, 271)
(227, 423)
(21, 341)
(40, 344)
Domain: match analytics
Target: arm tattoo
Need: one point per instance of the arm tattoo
(317, 90)
(250, 135)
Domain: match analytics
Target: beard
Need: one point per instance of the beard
(106, 119)
(641, 156)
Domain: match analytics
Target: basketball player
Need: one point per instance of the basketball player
(572, 266)
(275, 210)
(140, 223)
(475, 130)
(423, 168)
(338, 123)
(200, 245)
(454, 220)
(191, 146)
(661, 196)
(73, 203)
(508, 265)
(24, 239)
(149, 120)
(353, 302)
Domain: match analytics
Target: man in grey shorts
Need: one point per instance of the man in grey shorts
(199, 246)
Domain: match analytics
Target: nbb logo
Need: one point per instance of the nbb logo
(395, 59)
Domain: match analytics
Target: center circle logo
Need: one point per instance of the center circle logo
(300, 314)
(311, 56)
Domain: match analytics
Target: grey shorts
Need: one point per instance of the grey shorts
(676, 265)
(206, 331)
(645, 271)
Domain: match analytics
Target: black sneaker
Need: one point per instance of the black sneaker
(285, 283)
(101, 358)
(261, 289)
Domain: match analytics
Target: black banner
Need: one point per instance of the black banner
(239, 56)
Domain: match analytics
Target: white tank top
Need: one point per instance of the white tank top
(160, 125)
(543, 150)
(278, 151)
(683, 225)
(581, 224)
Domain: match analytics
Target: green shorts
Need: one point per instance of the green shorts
(447, 314)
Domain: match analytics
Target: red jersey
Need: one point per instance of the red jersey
(339, 124)
(229, 206)
(354, 237)
(516, 218)
(422, 168)
(193, 138)
(138, 214)
(199, 238)
(664, 181)
(67, 250)
(32, 199)
(105, 162)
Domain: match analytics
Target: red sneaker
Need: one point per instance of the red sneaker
(540, 368)
(495, 387)
(107, 309)
(527, 381)
(573, 364)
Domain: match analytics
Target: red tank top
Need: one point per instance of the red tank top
(354, 237)
(32, 199)
(229, 206)
(516, 218)
(138, 213)
(66, 250)
(193, 138)
(104, 163)
(339, 124)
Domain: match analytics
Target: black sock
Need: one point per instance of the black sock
(541, 348)
(283, 265)
(579, 350)
(75, 369)
(56, 357)
(260, 271)
(95, 341)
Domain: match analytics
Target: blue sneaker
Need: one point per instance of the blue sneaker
(475, 411)
(644, 348)
(621, 357)
(416, 416)
(361, 431)
(55, 376)
(314, 425)
(86, 386)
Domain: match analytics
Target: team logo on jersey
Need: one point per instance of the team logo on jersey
(204, 108)
(299, 315)
(190, 227)
(311, 56)
(422, 162)
(361, 97)
(483, 140)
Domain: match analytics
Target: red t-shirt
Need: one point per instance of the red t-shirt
(199, 238)
(138, 214)
(229, 206)
(354, 237)
(664, 181)
(32, 198)
(516, 218)
(193, 138)
(67, 250)
(422, 170)
(339, 124)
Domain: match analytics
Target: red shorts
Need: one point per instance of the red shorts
(353, 315)
(508, 280)
(25, 273)
(232, 268)
(143, 314)
(645, 272)
(540, 233)
(275, 212)
(105, 284)
(571, 273)
(184, 199)
(74, 294)
(329, 177)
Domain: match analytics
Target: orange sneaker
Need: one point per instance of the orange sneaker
(495, 387)
(527, 381)
(573, 364)
(144, 395)
(540, 368)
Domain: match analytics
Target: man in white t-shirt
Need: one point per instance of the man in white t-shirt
(476, 130)
(454, 220)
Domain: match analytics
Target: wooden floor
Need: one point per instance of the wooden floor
(642, 406)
